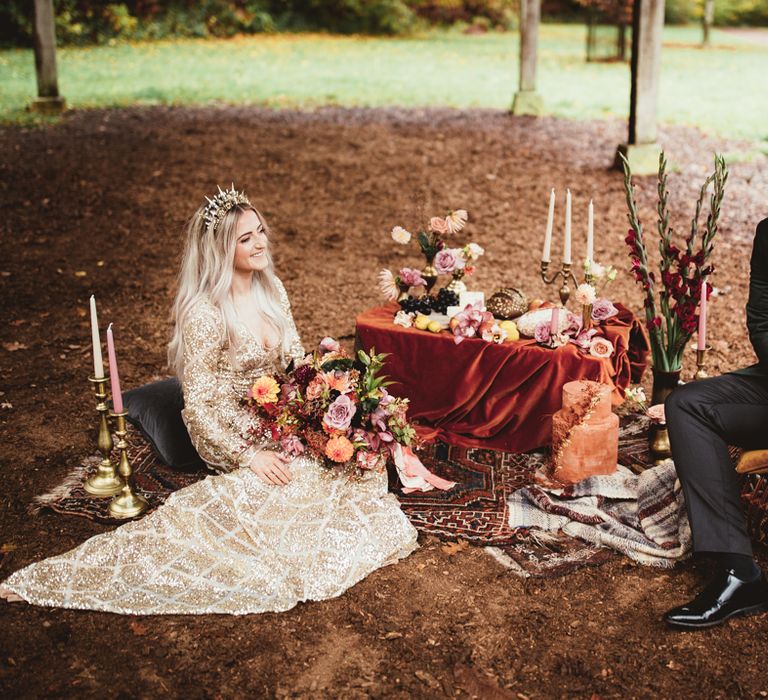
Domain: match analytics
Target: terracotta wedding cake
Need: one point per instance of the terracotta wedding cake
(585, 433)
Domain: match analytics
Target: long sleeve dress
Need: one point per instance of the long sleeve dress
(230, 543)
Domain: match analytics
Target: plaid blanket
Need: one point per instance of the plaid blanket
(642, 516)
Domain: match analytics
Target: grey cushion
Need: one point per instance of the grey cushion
(155, 409)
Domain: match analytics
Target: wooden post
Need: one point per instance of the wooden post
(642, 150)
(48, 100)
(707, 20)
(527, 100)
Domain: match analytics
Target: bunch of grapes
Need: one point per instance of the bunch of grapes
(444, 299)
(420, 305)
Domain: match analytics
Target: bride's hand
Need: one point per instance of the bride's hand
(271, 467)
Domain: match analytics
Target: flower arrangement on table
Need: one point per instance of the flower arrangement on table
(338, 409)
(458, 261)
(684, 290)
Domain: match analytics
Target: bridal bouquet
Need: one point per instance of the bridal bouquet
(337, 408)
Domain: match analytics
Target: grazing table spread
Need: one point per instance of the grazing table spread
(496, 396)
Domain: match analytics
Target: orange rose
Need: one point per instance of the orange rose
(339, 449)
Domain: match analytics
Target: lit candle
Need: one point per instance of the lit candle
(114, 377)
(567, 248)
(590, 235)
(702, 339)
(554, 325)
(545, 256)
(98, 364)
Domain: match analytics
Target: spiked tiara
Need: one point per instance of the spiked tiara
(221, 203)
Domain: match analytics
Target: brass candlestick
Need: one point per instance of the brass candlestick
(566, 274)
(701, 373)
(105, 482)
(127, 504)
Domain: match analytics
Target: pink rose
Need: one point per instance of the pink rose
(603, 309)
(446, 261)
(543, 332)
(438, 225)
(600, 347)
(328, 344)
(292, 445)
(656, 413)
(340, 413)
(412, 277)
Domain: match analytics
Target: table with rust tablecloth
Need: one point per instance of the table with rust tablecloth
(480, 394)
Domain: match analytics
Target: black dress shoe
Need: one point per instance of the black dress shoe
(726, 596)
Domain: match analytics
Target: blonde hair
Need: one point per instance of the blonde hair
(206, 274)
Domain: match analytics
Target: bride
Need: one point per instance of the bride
(267, 531)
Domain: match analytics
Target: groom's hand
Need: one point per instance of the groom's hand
(271, 467)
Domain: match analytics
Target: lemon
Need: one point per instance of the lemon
(434, 326)
(421, 322)
(511, 328)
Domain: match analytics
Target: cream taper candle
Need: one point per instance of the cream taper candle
(98, 363)
(546, 253)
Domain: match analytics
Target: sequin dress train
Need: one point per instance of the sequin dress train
(230, 543)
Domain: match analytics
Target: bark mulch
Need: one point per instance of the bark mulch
(97, 204)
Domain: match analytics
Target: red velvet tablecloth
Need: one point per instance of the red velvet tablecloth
(480, 394)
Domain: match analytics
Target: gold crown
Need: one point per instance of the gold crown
(221, 203)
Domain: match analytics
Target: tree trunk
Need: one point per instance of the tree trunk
(707, 20)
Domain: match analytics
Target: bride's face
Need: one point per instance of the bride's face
(251, 246)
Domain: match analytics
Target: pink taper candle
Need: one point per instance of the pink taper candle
(114, 377)
(702, 339)
(554, 326)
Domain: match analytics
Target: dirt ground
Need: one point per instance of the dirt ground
(97, 204)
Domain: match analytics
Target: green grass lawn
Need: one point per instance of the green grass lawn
(718, 89)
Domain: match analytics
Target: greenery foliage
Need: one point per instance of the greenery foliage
(80, 22)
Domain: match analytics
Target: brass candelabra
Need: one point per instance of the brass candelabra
(565, 273)
(127, 504)
(105, 482)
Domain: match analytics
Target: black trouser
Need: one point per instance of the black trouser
(703, 418)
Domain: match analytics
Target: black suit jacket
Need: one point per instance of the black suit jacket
(757, 303)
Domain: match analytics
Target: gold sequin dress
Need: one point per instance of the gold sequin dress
(230, 543)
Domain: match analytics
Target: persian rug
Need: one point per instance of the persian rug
(475, 510)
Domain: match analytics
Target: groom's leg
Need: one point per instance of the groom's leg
(703, 418)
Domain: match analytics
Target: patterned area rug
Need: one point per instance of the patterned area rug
(475, 510)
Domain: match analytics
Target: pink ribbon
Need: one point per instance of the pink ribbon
(414, 475)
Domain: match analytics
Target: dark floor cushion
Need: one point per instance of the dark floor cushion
(155, 409)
